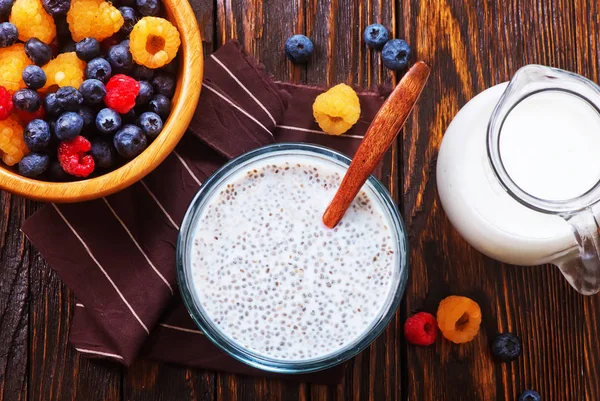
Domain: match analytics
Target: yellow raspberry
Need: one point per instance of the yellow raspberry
(12, 62)
(154, 42)
(32, 21)
(337, 110)
(65, 70)
(459, 319)
(96, 19)
(12, 144)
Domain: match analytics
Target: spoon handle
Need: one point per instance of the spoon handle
(383, 129)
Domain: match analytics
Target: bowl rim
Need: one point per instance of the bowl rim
(243, 354)
(184, 103)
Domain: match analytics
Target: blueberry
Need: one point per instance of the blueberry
(144, 94)
(99, 69)
(395, 54)
(34, 77)
(298, 49)
(142, 73)
(108, 121)
(56, 173)
(5, 8)
(376, 35)
(33, 164)
(130, 141)
(506, 347)
(148, 8)
(530, 395)
(93, 91)
(68, 126)
(38, 52)
(103, 152)
(27, 100)
(69, 98)
(8, 34)
(164, 84)
(129, 18)
(87, 49)
(171, 68)
(56, 7)
(37, 135)
(51, 105)
(150, 123)
(88, 116)
(161, 105)
(125, 43)
(120, 59)
(130, 117)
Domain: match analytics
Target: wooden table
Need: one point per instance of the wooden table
(471, 45)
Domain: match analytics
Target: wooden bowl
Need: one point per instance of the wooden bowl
(189, 81)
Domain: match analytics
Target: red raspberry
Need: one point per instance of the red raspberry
(6, 104)
(73, 159)
(27, 117)
(121, 92)
(421, 329)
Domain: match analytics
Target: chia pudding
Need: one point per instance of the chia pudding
(273, 278)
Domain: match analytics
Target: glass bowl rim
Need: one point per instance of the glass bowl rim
(243, 354)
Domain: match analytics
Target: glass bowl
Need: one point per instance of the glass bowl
(194, 305)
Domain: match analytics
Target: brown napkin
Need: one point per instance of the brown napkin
(118, 253)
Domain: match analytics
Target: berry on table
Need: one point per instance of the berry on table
(12, 144)
(69, 98)
(130, 141)
(129, 18)
(376, 35)
(421, 329)
(104, 153)
(33, 164)
(298, 48)
(148, 8)
(98, 19)
(120, 59)
(99, 69)
(150, 123)
(6, 103)
(56, 7)
(121, 92)
(38, 52)
(506, 347)
(51, 105)
(142, 73)
(27, 100)
(93, 91)
(65, 70)
(144, 94)
(164, 84)
(459, 319)
(530, 395)
(12, 62)
(68, 126)
(5, 7)
(87, 49)
(34, 77)
(32, 21)
(37, 135)
(73, 157)
(154, 42)
(88, 116)
(8, 34)
(108, 121)
(337, 110)
(396, 54)
(161, 105)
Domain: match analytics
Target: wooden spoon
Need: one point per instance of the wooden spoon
(383, 129)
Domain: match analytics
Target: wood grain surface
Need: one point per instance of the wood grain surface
(470, 46)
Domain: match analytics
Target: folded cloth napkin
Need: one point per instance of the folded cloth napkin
(117, 253)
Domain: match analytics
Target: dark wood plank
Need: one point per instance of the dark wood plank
(473, 45)
(14, 290)
(56, 371)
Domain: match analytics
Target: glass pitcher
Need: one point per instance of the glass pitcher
(578, 202)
